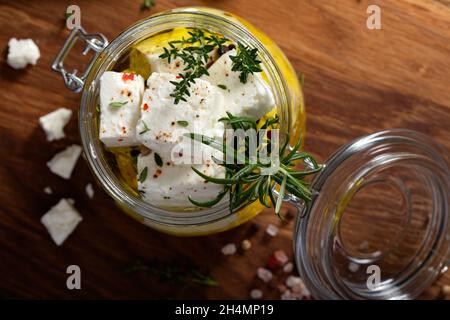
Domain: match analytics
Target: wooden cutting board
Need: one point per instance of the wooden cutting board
(357, 81)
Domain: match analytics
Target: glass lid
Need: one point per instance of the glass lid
(378, 226)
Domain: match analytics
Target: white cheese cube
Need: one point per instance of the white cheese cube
(53, 123)
(157, 64)
(120, 98)
(163, 123)
(61, 221)
(22, 52)
(253, 98)
(63, 163)
(170, 185)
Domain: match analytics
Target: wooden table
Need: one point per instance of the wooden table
(357, 81)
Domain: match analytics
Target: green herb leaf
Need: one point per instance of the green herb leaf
(147, 4)
(145, 128)
(143, 175)
(158, 160)
(244, 182)
(183, 123)
(222, 86)
(245, 61)
(117, 104)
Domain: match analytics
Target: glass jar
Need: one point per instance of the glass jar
(279, 75)
(378, 226)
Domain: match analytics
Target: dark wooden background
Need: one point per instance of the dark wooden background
(357, 81)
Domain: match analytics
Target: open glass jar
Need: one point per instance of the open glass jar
(347, 244)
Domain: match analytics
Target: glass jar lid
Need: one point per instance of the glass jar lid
(378, 226)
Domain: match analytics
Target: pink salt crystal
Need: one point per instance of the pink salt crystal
(272, 230)
(256, 294)
(264, 274)
(288, 267)
(287, 295)
(281, 257)
(229, 249)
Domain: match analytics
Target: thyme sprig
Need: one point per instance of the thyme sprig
(246, 62)
(244, 181)
(194, 52)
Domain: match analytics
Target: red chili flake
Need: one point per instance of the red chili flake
(273, 263)
(127, 76)
(120, 139)
(124, 130)
(178, 77)
(145, 107)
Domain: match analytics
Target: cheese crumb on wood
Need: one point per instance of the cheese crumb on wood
(48, 190)
(120, 100)
(22, 52)
(54, 122)
(89, 191)
(63, 163)
(61, 220)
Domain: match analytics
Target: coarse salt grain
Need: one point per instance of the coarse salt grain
(281, 257)
(246, 244)
(229, 249)
(272, 230)
(353, 267)
(264, 274)
(293, 280)
(89, 190)
(288, 267)
(256, 294)
(48, 190)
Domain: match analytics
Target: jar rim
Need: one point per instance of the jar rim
(315, 239)
(140, 30)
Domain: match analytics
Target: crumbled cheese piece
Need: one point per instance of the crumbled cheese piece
(54, 122)
(281, 257)
(170, 185)
(22, 52)
(118, 122)
(272, 230)
(256, 294)
(229, 249)
(264, 274)
(353, 267)
(63, 163)
(48, 190)
(253, 98)
(163, 123)
(61, 220)
(246, 244)
(89, 190)
(288, 267)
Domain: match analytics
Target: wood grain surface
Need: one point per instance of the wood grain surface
(357, 81)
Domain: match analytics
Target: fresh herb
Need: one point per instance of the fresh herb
(301, 78)
(97, 108)
(222, 86)
(244, 182)
(245, 61)
(143, 175)
(145, 128)
(183, 123)
(148, 4)
(173, 273)
(194, 52)
(117, 104)
(158, 160)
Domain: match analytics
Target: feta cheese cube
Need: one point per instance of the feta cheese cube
(63, 163)
(61, 221)
(54, 122)
(22, 52)
(170, 185)
(253, 98)
(120, 98)
(163, 123)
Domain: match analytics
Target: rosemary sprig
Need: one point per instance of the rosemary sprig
(244, 181)
(173, 273)
(246, 62)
